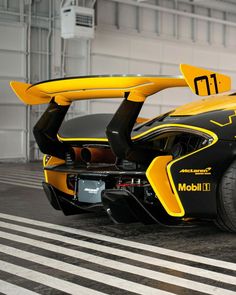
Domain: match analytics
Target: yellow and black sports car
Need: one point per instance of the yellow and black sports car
(176, 166)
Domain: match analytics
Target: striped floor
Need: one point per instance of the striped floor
(21, 176)
(38, 257)
(71, 260)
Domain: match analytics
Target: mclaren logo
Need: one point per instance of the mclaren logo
(206, 171)
(194, 187)
(92, 190)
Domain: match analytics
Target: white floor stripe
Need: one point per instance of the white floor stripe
(27, 171)
(109, 263)
(23, 176)
(90, 274)
(20, 184)
(20, 178)
(123, 242)
(47, 280)
(11, 289)
(20, 174)
(124, 266)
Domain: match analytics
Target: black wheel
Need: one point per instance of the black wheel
(226, 202)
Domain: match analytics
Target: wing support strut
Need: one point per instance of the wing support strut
(46, 129)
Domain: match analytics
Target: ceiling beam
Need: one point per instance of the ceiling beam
(176, 12)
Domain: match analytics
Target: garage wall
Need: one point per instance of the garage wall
(13, 114)
(136, 40)
(31, 50)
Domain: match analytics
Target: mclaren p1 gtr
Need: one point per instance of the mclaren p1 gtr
(176, 166)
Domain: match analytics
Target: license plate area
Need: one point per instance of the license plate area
(89, 191)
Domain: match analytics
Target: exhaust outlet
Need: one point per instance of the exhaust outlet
(97, 155)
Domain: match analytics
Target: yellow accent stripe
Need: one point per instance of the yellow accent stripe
(44, 171)
(81, 139)
(226, 124)
(159, 180)
(141, 134)
(174, 125)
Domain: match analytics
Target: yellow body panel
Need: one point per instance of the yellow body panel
(204, 82)
(67, 90)
(215, 139)
(56, 179)
(159, 180)
(159, 175)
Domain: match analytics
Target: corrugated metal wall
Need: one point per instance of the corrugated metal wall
(151, 38)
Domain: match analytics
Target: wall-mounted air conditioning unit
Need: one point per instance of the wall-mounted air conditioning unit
(77, 22)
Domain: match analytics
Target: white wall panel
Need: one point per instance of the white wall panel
(176, 53)
(147, 20)
(109, 65)
(106, 12)
(227, 61)
(111, 44)
(12, 115)
(76, 58)
(217, 30)
(201, 26)
(13, 144)
(167, 24)
(12, 131)
(170, 69)
(144, 48)
(12, 64)
(143, 67)
(149, 111)
(74, 68)
(206, 58)
(231, 32)
(103, 106)
(184, 23)
(177, 96)
(127, 17)
(13, 38)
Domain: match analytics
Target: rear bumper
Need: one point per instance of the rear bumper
(65, 203)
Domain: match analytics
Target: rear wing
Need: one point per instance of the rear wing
(137, 88)
(65, 91)
(59, 94)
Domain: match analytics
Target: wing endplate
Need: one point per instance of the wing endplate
(204, 82)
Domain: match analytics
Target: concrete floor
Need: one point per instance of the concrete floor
(44, 252)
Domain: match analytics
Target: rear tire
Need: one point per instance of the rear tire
(226, 201)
